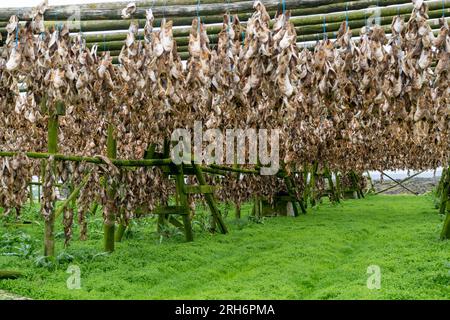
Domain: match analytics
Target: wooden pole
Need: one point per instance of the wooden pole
(210, 200)
(120, 230)
(107, 11)
(109, 223)
(397, 183)
(31, 195)
(9, 274)
(403, 181)
(237, 204)
(372, 187)
(445, 190)
(445, 233)
(180, 187)
(73, 195)
(95, 160)
(338, 184)
(335, 196)
(312, 184)
(49, 224)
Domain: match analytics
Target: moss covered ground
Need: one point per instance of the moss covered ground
(322, 255)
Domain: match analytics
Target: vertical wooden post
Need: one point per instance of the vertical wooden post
(237, 210)
(372, 187)
(355, 179)
(31, 195)
(210, 200)
(257, 207)
(306, 191)
(109, 224)
(338, 184)
(445, 233)
(238, 177)
(39, 189)
(150, 154)
(52, 147)
(291, 190)
(445, 190)
(329, 176)
(312, 184)
(180, 187)
(120, 232)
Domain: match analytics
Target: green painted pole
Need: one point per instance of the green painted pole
(210, 200)
(445, 234)
(184, 203)
(49, 224)
(109, 223)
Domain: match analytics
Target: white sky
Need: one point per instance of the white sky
(32, 3)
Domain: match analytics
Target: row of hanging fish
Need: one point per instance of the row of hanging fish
(380, 103)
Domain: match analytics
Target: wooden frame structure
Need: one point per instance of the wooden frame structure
(310, 22)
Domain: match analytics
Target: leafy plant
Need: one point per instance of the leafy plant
(45, 262)
(17, 244)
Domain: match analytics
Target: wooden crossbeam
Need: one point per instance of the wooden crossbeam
(73, 195)
(210, 200)
(95, 160)
(170, 210)
(400, 183)
(403, 181)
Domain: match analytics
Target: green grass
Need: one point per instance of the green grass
(322, 255)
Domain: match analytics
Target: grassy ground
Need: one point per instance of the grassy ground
(322, 255)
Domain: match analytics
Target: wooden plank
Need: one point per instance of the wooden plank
(9, 274)
(170, 210)
(176, 223)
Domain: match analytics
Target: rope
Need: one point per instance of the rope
(443, 8)
(164, 8)
(284, 6)
(17, 35)
(17, 32)
(198, 15)
(325, 36)
(346, 14)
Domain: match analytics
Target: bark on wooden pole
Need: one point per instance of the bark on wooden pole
(180, 187)
(445, 233)
(109, 223)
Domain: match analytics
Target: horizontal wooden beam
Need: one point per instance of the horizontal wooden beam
(171, 210)
(96, 160)
(10, 274)
(304, 25)
(101, 12)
